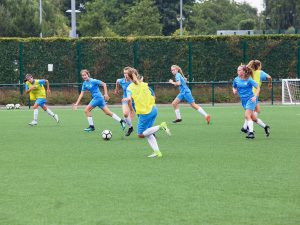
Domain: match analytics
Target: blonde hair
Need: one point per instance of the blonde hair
(179, 70)
(85, 71)
(133, 74)
(254, 64)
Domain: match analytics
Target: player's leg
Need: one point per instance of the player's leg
(35, 114)
(260, 122)
(50, 113)
(106, 110)
(146, 129)
(89, 117)
(175, 103)
(201, 111)
(248, 117)
(127, 119)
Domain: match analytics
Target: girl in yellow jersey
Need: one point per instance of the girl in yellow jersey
(145, 109)
(36, 90)
(258, 76)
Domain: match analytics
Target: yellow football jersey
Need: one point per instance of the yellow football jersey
(38, 91)
(143, 99)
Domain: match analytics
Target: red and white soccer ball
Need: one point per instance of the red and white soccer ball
(106, 135)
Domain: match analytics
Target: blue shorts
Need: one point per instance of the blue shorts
(146, 120)
(97, 102)
(40, 101)
(248, 104)
(187, 96)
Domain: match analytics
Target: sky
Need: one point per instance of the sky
(254, 3)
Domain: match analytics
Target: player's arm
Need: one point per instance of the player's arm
(128, 98)
(47, 87)
(234, 88)
(117, 91)
(175, 83)
(106, 97)
(270, 81)
(253, 99)
(78, 100)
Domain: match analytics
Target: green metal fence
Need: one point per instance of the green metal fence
(213, 92)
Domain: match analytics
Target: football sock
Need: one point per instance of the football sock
(150, 131)
(250, 125)
(91, 122)
(35, 114)
(177, 112)
(255, 114)
(261, 123)
(245, 124)
(128, 121)
(115, 117)
(200, 110)
(50, 112)
(152, 142)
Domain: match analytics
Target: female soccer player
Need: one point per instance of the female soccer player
(92, 85)
(242, 85)
(127, 108)
(258, 76)
(184, 94)
(36, 90)
(145, 109)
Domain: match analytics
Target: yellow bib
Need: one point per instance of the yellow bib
(38, 91)
(256, 78)
(143, 100)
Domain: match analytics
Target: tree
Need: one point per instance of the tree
(23, 19)
(247, 24)
(282, 14)
(142, 19)
(93, 21)
(212, 15)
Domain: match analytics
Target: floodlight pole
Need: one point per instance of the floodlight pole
(73, 19)
(41, 17)
(180, 20)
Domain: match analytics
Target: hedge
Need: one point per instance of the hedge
(204, 58)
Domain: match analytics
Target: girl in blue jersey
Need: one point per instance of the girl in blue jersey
(242, 85)
(184, 94)
(92, 85)
(127, 108)
(145, 109)
(36, 90)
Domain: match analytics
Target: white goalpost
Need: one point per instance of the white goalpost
(291, 91)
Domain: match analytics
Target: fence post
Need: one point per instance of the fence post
(190, 65)
(298, 54)
(78, 64)
(135, 54)
(245, 48)
(272, 94)
(21, 77)
(213, 93)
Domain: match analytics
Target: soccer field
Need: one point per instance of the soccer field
(55, 174)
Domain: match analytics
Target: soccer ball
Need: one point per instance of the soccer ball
(10, 106)
(106, 135)
(17, 106)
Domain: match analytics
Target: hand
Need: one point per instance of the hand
(106, 97)
(253, 99)
(171, 81)
(234, 91)
(116, 91)
(74, 106)
(48, 92)
(270, 85)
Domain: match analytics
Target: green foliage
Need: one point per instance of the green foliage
(211, 57)
(247, 24)
(141, 19)
(213, 15)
